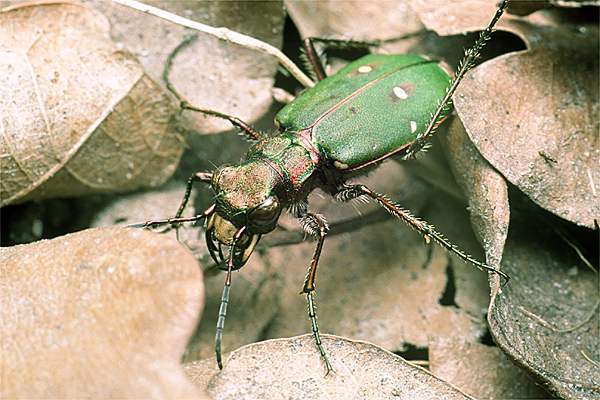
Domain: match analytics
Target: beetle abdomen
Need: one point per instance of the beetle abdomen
(370, 108)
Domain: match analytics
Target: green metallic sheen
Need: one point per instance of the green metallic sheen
(356, 117)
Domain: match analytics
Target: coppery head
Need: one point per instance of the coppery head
(246, 208)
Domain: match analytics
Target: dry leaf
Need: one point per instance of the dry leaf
(481, 371)
(451, 18)
(378, 20)
(97, 314)
(546, 318)
(78, 115)
(291, 368)
(540, 128)
(210, 73)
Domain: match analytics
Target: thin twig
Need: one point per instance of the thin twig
(224, 34)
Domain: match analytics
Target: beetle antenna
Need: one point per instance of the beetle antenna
(251, 134)
(225, 298)
(468, 62)
(221, 318)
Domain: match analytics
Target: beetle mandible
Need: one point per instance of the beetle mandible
(325, 136)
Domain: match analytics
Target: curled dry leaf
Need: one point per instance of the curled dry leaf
(209, 73)
(291, 368)
(546, 318)
(486, 192)
(78, 115)
(99, 313)
(540, 128)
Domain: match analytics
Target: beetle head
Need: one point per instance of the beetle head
(246, 207)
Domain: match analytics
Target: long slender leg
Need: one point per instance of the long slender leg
(427, 230)
(317, 226)
(174, 221)
(250, 132)
(315, 61)
(468, 62)
(197, 177)
(314, 58)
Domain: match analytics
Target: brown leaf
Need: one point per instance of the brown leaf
(255, 289)
(96, 314)
(291, 368)
(481, 371)
(378, 20)
(540, 127)
(450, 18)
(546, 318)
(209, 73)
(79, 115)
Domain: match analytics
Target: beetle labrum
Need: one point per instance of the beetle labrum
(326, 135)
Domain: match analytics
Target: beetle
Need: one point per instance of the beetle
(327, 135)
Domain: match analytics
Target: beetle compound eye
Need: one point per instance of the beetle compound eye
(266, 214)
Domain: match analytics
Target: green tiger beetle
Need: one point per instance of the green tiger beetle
(375, 107)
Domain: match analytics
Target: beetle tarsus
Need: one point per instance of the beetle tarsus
(312, 314)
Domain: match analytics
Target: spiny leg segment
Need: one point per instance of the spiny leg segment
(427, 230)
(315, 225)
(468, 62)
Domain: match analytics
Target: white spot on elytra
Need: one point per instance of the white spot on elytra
(365, 69)
(413, 126)
(400, 93)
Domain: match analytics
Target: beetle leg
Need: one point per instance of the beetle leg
(197, 177)
(427, 230)
(468, 62)
(250, 132)
(174, 221)
(314, 58)
(315, 225)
